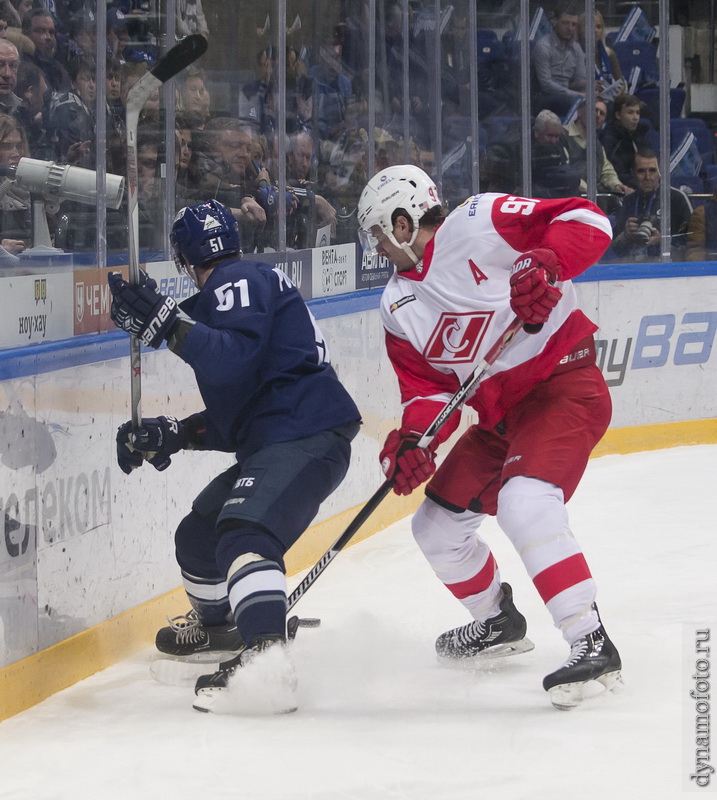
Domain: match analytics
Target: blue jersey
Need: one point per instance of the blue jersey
(260, 360)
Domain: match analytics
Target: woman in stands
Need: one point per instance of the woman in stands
(608, 74)
(15, 205)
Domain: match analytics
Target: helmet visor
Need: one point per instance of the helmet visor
(184, 268)
(370, 241)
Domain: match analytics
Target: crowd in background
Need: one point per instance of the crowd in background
(228, 142)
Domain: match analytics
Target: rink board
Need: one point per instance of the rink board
(87, 570)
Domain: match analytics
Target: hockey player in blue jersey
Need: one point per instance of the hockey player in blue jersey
(270, 396)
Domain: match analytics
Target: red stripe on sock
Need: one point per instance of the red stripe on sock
(561, 576)
(478, 583)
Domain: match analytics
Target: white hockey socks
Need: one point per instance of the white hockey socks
(461, 560)
(532, 514)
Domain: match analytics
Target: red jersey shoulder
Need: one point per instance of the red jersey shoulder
(524, 222)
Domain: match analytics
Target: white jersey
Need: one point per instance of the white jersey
(443, 315)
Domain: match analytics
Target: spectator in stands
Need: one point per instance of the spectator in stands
(256, 98)
(72, 123)
(83, 34)
(607, 179)
(183, 130)
(553, 175)
(637, 227)
(190, 18)
(113, 90)
(313, 211)
(12, 28)
(226, 173)
(15, 203)
(5, 19)
(608, 74)
(559, 64)
(331, 91)
(39, 26)
(150, 194)
(9, 64)
(117, 33)
(623, 135)
(702, 232)
(192, 93)
(186, 128)
(31, 89)
(18, 8)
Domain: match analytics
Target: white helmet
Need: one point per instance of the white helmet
(403, 186)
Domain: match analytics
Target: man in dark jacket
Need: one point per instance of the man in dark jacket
(623, 136)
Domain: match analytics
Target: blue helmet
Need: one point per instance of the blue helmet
(201, 234)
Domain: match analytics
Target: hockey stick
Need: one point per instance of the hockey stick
(175, 60)
(373, 503)
(167, 671)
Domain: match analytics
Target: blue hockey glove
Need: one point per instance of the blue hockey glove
(141, 310)
(155, 440)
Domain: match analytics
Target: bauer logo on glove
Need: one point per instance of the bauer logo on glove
(533, 294)
(141, 310)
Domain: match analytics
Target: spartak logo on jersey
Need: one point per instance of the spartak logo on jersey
(457, 337)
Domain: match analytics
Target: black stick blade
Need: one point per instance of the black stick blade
(180, 56)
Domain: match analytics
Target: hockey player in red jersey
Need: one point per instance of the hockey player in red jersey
(543, 407)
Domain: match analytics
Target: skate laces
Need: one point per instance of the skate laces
(580, 648)
(468, 634)
(187, 628)
(577, 651)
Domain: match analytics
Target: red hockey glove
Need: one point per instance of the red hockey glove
(532, 293)
(406, 464)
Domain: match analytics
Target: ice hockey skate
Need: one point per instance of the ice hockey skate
(187, 637)
(187, 649)
(502, 635)
(593, 660)
(260, 680)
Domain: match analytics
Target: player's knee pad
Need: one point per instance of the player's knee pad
(530, 510)
(444, 534)
(195, 544)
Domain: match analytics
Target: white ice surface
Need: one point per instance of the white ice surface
(379, 719)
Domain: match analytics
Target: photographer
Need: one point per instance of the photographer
(637, 226)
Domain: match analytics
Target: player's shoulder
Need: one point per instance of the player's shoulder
(395, 287)
(473, 217)
(397, 292)
(475, 207)
(251, 269)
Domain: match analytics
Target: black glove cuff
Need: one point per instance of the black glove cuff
(178, 333)
(194, 429)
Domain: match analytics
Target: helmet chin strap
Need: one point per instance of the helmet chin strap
(406, 246)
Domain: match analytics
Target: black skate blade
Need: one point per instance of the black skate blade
(566, 696)
(485, 657)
